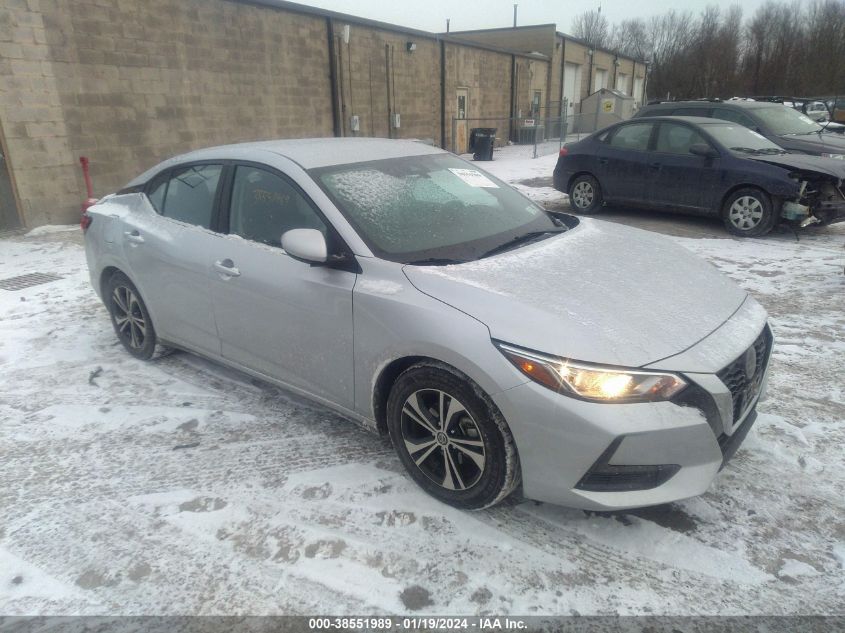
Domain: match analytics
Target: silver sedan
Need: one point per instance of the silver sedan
(497, 344)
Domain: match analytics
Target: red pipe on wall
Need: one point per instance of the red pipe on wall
(86, 174)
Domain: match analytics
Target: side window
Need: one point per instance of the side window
(190, 194)
(674, 138)
(156, 191)
(265, 205)
(734, 117)
(634, 136)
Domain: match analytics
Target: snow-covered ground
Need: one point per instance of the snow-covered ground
(180, 487)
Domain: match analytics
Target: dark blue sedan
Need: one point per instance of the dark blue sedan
(701, 166)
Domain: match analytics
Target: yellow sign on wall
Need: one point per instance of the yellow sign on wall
(607, 105)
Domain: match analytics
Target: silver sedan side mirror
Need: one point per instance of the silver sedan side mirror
(306, 244)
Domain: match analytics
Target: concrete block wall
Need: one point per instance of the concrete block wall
(486, 75)
(377, 74)
(130, 83)
(37, 144)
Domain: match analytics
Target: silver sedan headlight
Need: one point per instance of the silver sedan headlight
(596, 383)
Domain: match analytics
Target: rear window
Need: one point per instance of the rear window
(726, 114)
(705, 112)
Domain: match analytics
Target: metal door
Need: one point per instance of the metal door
(572, 86)
(461, 132)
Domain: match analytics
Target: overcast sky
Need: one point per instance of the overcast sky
(430, 15)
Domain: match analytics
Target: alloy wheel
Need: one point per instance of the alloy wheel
(442, 439)
(583, 194)
(130, 321)
(746, 213)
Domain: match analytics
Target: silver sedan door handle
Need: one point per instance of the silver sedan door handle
(227, 268)
(133, 236)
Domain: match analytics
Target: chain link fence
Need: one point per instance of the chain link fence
(544, 134)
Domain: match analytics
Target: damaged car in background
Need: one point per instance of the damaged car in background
(702, 166)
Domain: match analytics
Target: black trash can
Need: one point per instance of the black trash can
(481, 141)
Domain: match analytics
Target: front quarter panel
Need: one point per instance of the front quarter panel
(394, 320)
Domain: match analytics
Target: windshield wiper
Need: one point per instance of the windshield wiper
(772, 150)
(745, 150)
(435, 261)
(519, 240)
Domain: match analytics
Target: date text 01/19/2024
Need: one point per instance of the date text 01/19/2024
(418, 623)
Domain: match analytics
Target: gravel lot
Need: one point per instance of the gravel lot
(180, 487)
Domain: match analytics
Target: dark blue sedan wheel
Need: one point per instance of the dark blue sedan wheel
(748, 212)
(585, 194)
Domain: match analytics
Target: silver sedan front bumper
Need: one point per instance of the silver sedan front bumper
(615, 456)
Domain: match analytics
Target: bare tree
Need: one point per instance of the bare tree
(592, 27)
(784, 48)
(630, 38)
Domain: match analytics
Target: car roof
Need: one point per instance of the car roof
(697, 120)
(745, 105)
(308, 153)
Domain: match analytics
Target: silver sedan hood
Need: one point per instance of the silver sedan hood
(600, 292)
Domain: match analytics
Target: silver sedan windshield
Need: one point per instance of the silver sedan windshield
(433, 206)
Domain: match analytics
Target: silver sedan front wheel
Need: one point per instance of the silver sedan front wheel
(442, 439)
(450, 437)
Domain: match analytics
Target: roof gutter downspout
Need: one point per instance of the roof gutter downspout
(442, 94)
(333, 77)
(562, 77)
(513, 86)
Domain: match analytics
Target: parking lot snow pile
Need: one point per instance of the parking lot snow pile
(181, 487)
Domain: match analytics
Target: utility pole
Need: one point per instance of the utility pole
(447, 25)
(514, 15)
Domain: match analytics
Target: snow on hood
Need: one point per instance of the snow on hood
(600, 292)
(827, 166)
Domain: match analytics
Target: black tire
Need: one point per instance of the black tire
(136, 333)
(749, 212)
(585, 195)
(473, 464)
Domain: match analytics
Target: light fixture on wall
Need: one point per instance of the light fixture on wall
(410, 46)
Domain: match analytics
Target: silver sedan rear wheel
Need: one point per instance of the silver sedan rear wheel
(130, 321)
(443, 439)
(130, 318)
